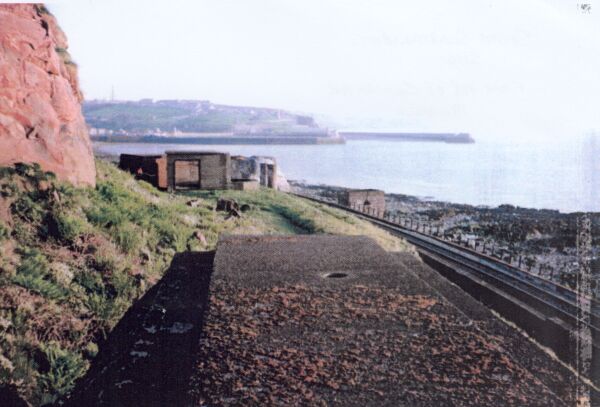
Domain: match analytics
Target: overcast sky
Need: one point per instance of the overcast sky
(517, 68)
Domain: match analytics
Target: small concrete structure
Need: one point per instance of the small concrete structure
(363, 199)
(198, 169)
(205, 170)
(144, 166)
(181, 169)
(245, 185)
(262, 169)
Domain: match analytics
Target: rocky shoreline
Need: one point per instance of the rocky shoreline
(541, 241)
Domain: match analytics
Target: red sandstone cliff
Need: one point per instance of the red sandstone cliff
(40, 110)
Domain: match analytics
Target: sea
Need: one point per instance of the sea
(563, 175)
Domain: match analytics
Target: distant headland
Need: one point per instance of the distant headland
(204, 122)
(200, 122)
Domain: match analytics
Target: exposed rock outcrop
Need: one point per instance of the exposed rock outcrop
(40, 101)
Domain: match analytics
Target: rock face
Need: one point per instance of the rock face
(40, 101)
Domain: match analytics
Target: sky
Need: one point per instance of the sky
(517, 69)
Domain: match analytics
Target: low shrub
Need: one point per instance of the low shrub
(104, 216)
(4, 231)
(34, 274)
(8, 188)
(91, 281)
(123, 284)
(170, 235)
(64, 367)
(28, 208)
(127, 237)
(65, 227)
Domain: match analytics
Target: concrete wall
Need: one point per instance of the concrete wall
(214, 169)
(245, 185)
(144, 167)
(244, 168)
(162, 181)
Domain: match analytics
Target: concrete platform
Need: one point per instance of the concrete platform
(331, 320)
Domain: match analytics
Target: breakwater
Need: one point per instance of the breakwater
(464, 138)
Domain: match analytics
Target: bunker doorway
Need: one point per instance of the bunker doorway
(267, 175)
(187, 174)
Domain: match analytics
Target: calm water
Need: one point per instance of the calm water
(564, 176)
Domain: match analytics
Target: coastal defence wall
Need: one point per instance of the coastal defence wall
(464, 138)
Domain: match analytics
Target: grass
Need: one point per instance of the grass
(63, 368)
(273, 212)
(34, 274)
(72, 260)
(133, 116)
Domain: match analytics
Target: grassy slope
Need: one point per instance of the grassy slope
(73, 260)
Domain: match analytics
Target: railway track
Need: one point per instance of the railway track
(556, 313)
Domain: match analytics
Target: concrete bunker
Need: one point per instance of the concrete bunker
(205, 170)
(267, 175)
(181, 169)
(198, 170)
(256, 171)
(366, 200)
(144, 167)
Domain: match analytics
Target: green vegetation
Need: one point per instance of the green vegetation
(72, 260)
(65, 56)
(41, 9)
(34, 274)
(186, 116)
(141, 117)
(63, 368)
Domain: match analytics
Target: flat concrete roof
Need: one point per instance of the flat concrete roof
(203, 152)
(269, 260)
(336, 320)
(140, 155)
(363, 190)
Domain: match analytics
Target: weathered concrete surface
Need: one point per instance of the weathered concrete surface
(304, 259)
(212, 169)
(40, 111)
(281, 332)
(549, 370)
(148, 357)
